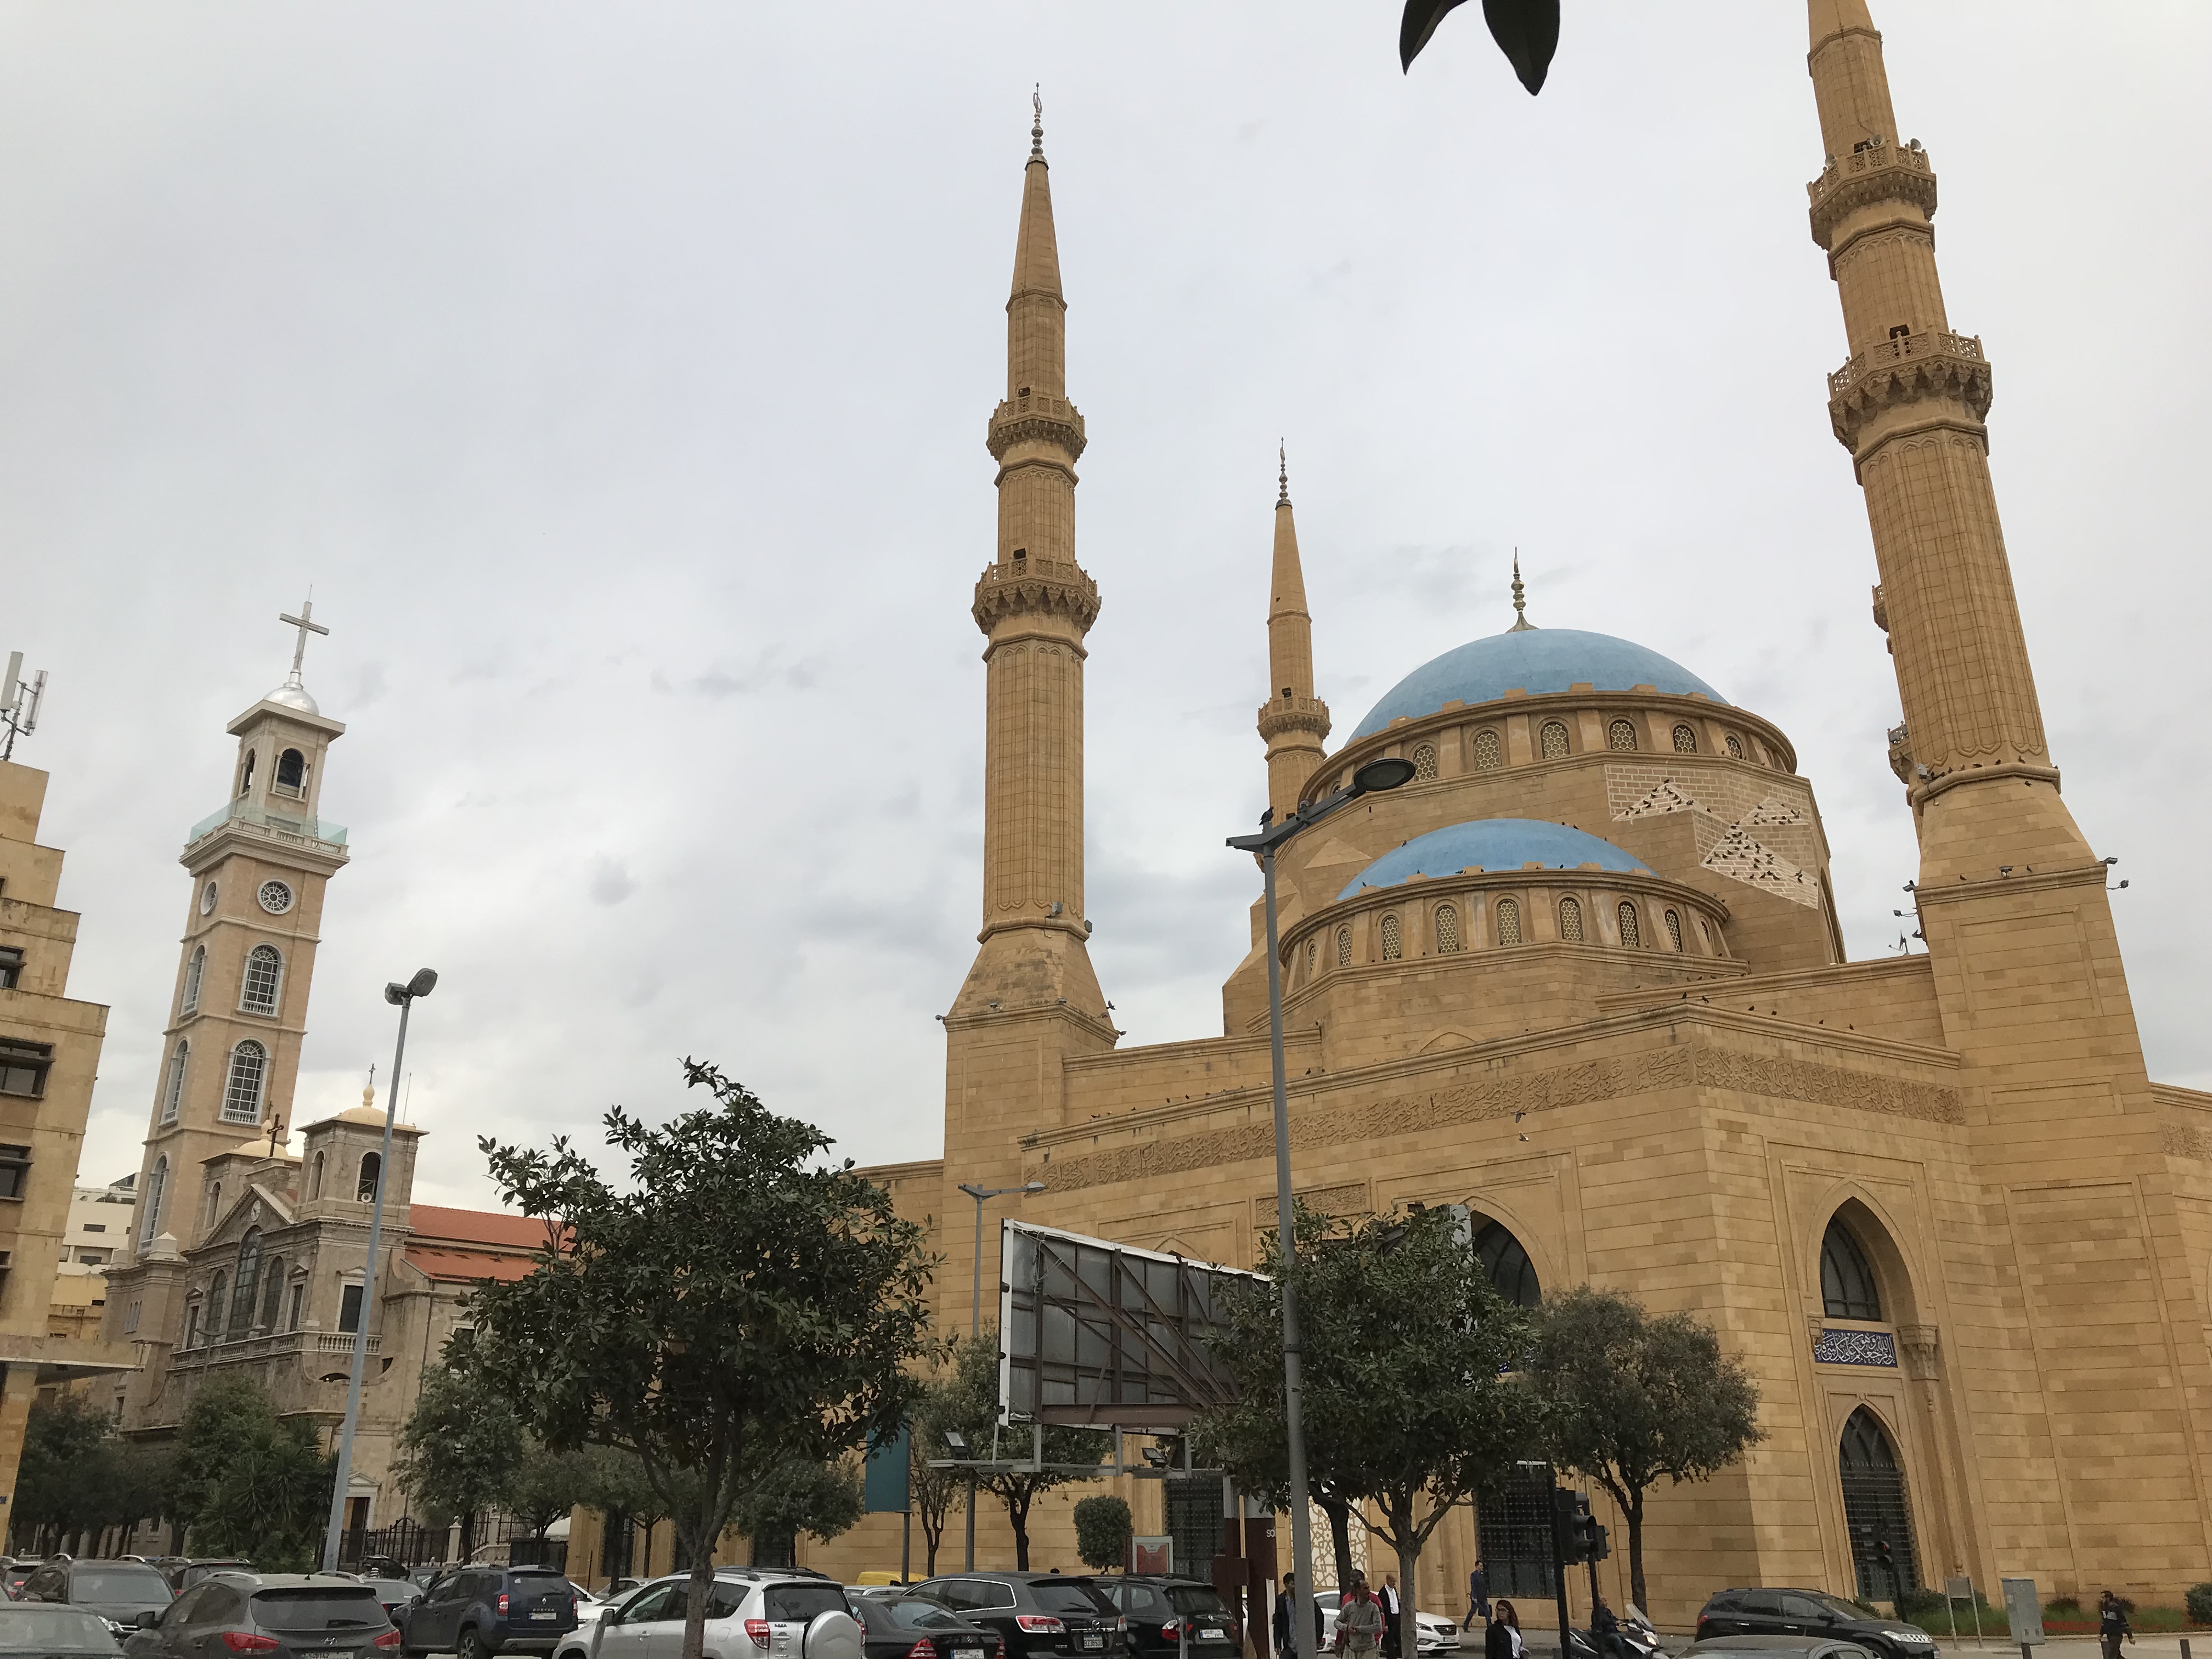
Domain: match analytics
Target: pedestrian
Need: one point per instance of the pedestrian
(1478, 1594)
(1388, 1596)
(1360, 1624)
(2112, 1623)
(1605, 1631)
(1503, 1639)
(1286, 1639)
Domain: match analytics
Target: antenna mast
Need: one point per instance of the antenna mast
(19, 703)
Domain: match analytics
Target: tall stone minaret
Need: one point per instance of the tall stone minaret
(1293, 722)
(1032, 1000)
(2024, 964)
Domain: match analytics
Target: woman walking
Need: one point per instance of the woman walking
(1503, 1639)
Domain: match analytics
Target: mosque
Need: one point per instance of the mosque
(1583, 975)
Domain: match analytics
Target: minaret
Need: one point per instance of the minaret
(1032, 1000)
(1293, 722)
(1909, 404)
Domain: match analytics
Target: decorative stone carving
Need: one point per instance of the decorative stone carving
(1911, 369)
(1036, 419)
(1308, 714)
(1881, 173)
(1841, 1347)
(1924, 1359)
(1052, 587)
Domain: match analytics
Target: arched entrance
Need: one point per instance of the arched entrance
(1513, 1525)
(1876, 1510)
(1506, 1265)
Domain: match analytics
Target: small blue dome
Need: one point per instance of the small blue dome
(1494, 844)
(1535, 660)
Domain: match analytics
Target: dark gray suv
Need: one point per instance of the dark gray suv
(270, 1615)
(476, 1612)
(121, 1592)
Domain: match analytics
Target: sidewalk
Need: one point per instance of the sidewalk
(1544, 1644)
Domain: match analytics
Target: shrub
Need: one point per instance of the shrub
(2199, 1603)
(1918, 1603)
(2063, 1607)
(1103, 1530)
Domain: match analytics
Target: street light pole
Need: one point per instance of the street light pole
(975, 1315)
(402, 996)
(1388, 773)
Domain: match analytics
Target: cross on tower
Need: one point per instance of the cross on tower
(306, 622)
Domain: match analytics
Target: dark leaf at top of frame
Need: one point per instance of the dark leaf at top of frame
(1527, 32)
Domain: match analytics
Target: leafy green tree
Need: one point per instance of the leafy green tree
(819, 1499)
(548, 1485)
(971, 1407)
(460, 1449)
(62, 1441)
(249, 1483)
(1629, 1398)
(1407, 1346)
(931, 1489)
(733, 1302)
(1103, 1527)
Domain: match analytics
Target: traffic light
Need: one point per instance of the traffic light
(1881, 1551)
(1600, 1542)
(1581, 1539)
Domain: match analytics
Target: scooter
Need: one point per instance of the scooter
(1636, 1637)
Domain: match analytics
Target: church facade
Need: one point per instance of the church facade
(1583, 975)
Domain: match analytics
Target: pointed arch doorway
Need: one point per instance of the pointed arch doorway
(1876, 1510)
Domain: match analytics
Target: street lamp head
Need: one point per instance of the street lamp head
(1034, 1186)
(1389, 772)
(424, 983)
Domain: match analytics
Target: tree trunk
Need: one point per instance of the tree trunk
(468, 1534)
(1339, 1534)
(1406, 1540)
(1018, 1512)
(694, 1604)
(1633, 1513)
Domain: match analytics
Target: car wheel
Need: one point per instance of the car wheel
(471, 1646)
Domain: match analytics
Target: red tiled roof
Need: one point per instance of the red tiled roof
(467, 1266)
(514, 1232)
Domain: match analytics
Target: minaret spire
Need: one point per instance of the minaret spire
(1293, 722)
(1521, 623)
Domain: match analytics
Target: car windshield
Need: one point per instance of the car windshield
(118, 1584)
(54, 1630)
(1195, 1598)
(317, 1608)
(1834, 1604)
(1070, 1598)
(389, 1586)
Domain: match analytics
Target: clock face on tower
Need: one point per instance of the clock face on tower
(207, 899)
(275, 898)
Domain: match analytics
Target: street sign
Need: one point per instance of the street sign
(1105, 1335)
(1151, 1555)
(883, 1474)
(2024, 1609)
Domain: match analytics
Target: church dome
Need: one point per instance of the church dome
(1494, 844)
(1536, 660)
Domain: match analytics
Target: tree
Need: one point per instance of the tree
(1407, 1405)
(247, 1482)
(972, 1409)
(1103, 1531)
(819, 1499)
(547, 1484)
(460, 1451)
(732, 1303)
(1628, 1398)
(64, 1441)
(931, 1489)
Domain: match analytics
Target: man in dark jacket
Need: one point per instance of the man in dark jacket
(1605, 1631)
(1284, 1643)
(1478, 1594)
(2112, 1625)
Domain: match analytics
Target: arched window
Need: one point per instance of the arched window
(292, 774)
(191, 1320)
(264, 972)
(372, 1165)
(1875, 1508)
(1848, 1289)
(1506, 1265)
(1733, 743)
(242, 1092)
(194, 971)
(315, 1178)
(1552, 739)
(1673, 932)
(292, 1313)
(1489, 753)
(1391, 943)
(173, 1086)
(157, 1189)
(1344, 947)
(1685, 741)
(1447, 930)
(1632, 935)
(215, 1202)
(1621, 735)
(1509, 921)
(272, 1293)
(215, 1305)
(1571, 920)
(246, 774)
(1425, 761)
(241, 1323)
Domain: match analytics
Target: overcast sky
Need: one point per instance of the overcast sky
(617, 377)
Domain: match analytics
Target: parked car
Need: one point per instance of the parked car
(1778, 1647)
(896, 1624)
(121, 1592)
(395, 1596)
(272, 1615)
(13, 1575)
(1041, 1616)
(48, 1630)
(183, 1574)
(1815, 1613)
(751, 1614)
(476, 1612)
(1433, 1634)
(1166, 1613)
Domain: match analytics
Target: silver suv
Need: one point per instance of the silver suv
(751, 1614)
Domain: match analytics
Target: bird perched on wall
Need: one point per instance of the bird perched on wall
(1527, 32)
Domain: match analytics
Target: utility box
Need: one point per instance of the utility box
(2024, 1609)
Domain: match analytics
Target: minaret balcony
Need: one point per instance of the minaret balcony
(1880, 173)
(1028, 584)
(1288, 715)
(1035, 418)
(1910, 368)
(297, 832)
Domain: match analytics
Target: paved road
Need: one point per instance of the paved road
(1545, 1644)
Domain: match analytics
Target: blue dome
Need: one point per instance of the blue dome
(1535, 660)
(1494, 844)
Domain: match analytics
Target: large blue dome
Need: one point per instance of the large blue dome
(1535, 660)
(1494, 844)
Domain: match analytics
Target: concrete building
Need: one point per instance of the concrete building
(99, 1230)
(1583, 975)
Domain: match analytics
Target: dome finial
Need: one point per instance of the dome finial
(1283, 476)
(1521, 623)
(1036, 128)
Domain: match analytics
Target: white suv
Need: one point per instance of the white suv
(751, 1614)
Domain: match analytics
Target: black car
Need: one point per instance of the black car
(900, 1625)
(476, 1612)
(49, 1631)
(274, 1615)
(1815, 1613)
(1775, 1647)
(121, 1592)
(1041, 1616)
(1166, 1613)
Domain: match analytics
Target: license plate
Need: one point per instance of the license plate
(554, 1614)
(1213, 1636)
(1090, 1642)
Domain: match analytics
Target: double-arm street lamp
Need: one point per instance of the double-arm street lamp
(975, 1317)
(401, 997)
(1387, 773)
